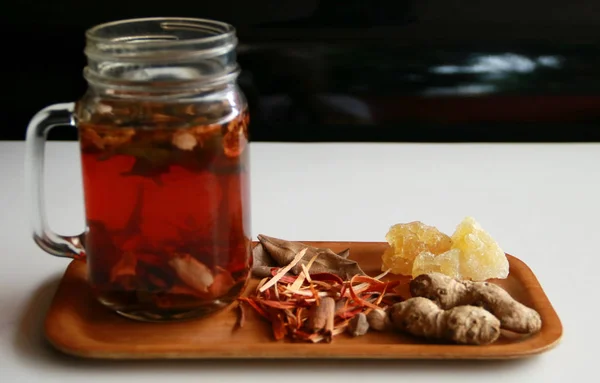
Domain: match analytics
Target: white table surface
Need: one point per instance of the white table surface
(541, 202)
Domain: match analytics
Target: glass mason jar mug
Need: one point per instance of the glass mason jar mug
(163, 131)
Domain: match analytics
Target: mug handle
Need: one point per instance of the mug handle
(37, 131)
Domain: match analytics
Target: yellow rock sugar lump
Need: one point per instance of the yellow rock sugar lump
(447, 263)
(481, 257)
(407, 240)
(471, 252)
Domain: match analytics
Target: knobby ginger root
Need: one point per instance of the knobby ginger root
(448, 292)
(463, 324)
(379, 320)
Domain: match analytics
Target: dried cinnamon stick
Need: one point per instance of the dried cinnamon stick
(321, 318)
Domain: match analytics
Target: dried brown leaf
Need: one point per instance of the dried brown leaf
(282, 252)
(344, 253)
(262, 262)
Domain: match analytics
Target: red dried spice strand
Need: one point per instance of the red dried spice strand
(380, 288)
(344, 290)
(285, 278)
(355, 296)
(365, 279)
(254, 304)
(304, 303)
(279, 328)
(391, 298)
(349, 313)
(380, 298)
(299, 312)
(267, 294)
(278, 304)
(301, 335)
(314, 291)
(288, 308)
(241, 318)
(326, 277)
(324, 285)
(291, 316)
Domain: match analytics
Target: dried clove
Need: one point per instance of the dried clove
(358, 325)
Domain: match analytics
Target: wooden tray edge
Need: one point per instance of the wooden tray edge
(552, 333)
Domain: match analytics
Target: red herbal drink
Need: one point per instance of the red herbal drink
(163, 132)
(167, 207)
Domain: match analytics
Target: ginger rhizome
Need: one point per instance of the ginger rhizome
(379, 320)
(463, 324)
(448, 292)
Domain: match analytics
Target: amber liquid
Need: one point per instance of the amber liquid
(167, 210)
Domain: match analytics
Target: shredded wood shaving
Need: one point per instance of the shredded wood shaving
(261, 283)
(305, 268)
(306, 293)
(306, 273)
(283, 271)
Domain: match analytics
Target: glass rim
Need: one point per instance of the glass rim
(224, 31)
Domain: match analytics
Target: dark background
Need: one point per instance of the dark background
(379, 70)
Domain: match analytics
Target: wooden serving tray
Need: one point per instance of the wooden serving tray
(78, 325)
